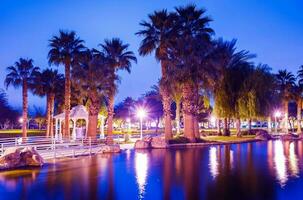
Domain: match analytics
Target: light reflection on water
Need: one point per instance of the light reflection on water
(141, 167)
(261, 170)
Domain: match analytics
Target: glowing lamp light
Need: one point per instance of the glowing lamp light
(141, 113)
(277, 114)
(20, 120)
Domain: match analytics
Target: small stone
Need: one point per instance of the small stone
(263, 135)
(159, 143)
(142, 144)
(110, 149)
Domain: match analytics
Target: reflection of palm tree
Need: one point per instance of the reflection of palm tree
(22, 75)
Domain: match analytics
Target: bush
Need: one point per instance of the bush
(179, 140)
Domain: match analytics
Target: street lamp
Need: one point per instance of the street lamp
(277, 115)
(141, 113)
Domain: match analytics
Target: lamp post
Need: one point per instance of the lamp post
(277, 114)
(141, 114)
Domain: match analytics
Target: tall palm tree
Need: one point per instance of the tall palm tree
(118, 57)
(285, 81)
(49, 83)
(92, 77)
(22, 74)
(187, 54)
(65, 49)
(157, 33)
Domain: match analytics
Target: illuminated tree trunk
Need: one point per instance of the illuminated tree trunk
(51, 114)
(299, 113)
(166, 101)
(94, 108)
(196, 127)
(226, 131)
(110, 119)
(178, 110)
(189, 130)
(67, 99)
(249, 126)
(24, 108)
(285, 129)
(238, 125)
(219, 127)
(167, 113)
(47, 115)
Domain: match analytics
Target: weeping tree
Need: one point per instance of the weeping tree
(235, 67)
(258, 96)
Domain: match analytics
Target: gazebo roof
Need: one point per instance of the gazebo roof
(77, 112)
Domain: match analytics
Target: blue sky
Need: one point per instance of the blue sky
(272, 29)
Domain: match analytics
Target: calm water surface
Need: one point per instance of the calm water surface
(264, 170)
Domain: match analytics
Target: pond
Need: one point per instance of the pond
(261, 170)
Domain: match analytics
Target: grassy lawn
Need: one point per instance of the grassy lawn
(232, 138)
(19, 131)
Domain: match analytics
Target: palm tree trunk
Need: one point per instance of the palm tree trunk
(167, 113)
(110, 119)
(67, 99)
(238, 124)
(189, 131)
(178, 110)
(166, 101)
(196, 127)
(286, 117)
(47, 115)
(299, 114)
(94, 108)
(24, 108)
(51, 115)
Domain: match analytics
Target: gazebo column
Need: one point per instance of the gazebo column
(86, 127)
(56, 128)
(102, 127)
(74, 129)
(60, 129)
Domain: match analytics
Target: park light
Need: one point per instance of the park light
(141, 113)
(277, 114)
(20, 120)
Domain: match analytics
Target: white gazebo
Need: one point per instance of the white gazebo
(76, 113)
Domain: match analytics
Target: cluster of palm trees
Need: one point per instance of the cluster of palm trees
(91, 72)
(195, 66)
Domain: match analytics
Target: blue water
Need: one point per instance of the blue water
(262, 170)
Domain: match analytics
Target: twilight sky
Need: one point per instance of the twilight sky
(273, 29)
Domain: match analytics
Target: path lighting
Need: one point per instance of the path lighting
(20, 120)
(141, 113)
(277, 115)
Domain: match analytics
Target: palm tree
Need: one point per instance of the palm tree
(92, 78)
(22, 74)
(65, 49)
(49, 83)
(118, 57)
(157, 33)
(285, 81)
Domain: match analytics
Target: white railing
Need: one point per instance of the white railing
(49, 147)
